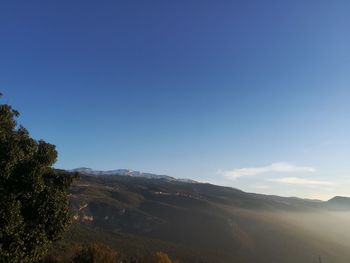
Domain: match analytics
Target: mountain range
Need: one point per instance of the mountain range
(127, 172)
(136, 212)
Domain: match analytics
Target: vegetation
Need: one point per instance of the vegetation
(158, 257)
(96, 253)
(33, 196)
(101, 253)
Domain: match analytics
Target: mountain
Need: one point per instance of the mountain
(204, 223)
(339, 202)
(126, 172)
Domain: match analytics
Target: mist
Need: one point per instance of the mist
(331, 226)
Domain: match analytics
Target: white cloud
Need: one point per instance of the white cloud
(300, 181)
(280, 167)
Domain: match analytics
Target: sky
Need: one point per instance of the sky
(248, 94)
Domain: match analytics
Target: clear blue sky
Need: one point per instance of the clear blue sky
(250, 94)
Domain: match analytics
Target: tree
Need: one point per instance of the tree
(158, 257)
(96, 253)
(33, 196)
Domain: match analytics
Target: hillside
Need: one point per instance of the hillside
(196, 222)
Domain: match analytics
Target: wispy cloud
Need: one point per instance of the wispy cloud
(280, 167)
(300, 181)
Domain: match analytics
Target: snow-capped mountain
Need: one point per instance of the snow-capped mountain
(127, 172)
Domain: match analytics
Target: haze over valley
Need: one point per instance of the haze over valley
(200, 222)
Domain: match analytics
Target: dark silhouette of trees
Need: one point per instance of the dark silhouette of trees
(100, 253)
(96, 253)
(158, 257)
(33, 196)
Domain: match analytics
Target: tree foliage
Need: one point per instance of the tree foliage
(158, 257)
(96, 253)
(33, 196)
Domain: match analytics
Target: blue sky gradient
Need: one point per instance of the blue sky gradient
(196, 89)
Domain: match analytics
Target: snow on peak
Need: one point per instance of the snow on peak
(127, 172)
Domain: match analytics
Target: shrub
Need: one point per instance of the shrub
(96, 253)
(158, 257)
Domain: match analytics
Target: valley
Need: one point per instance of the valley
(198, 222)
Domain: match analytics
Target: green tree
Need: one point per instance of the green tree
(33, 196)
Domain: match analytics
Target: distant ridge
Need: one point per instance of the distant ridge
(128, 172)
(339, 201)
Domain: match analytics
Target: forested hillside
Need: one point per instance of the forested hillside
(195, 222)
